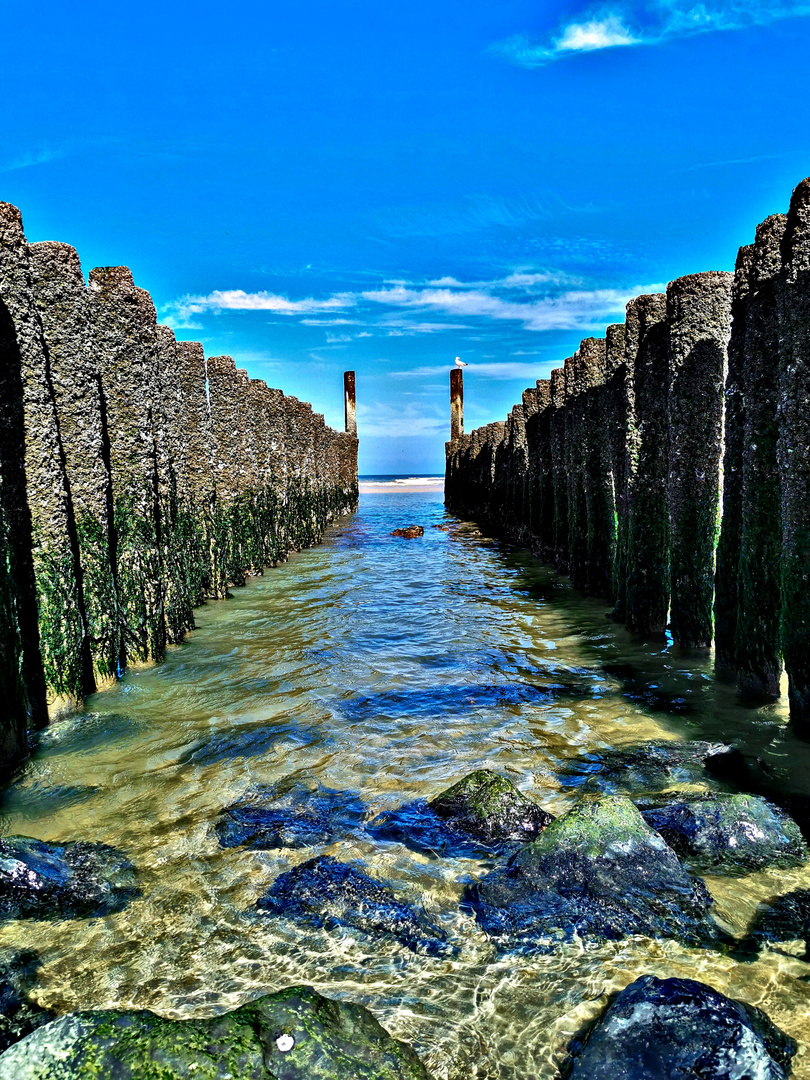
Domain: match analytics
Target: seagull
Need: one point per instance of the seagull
(460, 362)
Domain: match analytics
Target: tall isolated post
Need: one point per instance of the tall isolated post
(350, 398)
(456, 403)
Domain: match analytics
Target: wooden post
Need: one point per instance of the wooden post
(456, 403)
(350, 399)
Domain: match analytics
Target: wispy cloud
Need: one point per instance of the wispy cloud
(382, 419)
(609, 26)
(572, 310)
(239, 300)
(499, 370)
(31, 157)
(538, 300)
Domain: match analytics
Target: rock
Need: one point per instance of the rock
(409, 533)
(293, 1035)
(482, 814)
(652, 767)
(290, 815)
(326, 893)
(75, 880)
(729, 834)
(784, 919)
(599, 872)
(19, 1015)
(662, 1029)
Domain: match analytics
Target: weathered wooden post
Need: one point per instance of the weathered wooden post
(728, 547)
(558, 473)
(22, 680)
(60, 294)
(62, 651)
(617, 402)
(758, 647)
(350, 399)
(699, 318)
(456, 403)
(794, 451)
(647, 581)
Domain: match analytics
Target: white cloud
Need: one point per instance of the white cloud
(239, 300)
(628, 24)
(572, 310)
(331, 322)
(605, 33)
(531, 298)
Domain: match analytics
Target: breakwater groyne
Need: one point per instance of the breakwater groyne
(137, 479)
(666, 466)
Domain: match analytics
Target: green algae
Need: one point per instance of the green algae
(100, 596)
(323, 1040)
(482, 793)
(61, 627)
(589, 828)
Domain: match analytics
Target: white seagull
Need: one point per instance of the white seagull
(460, 362)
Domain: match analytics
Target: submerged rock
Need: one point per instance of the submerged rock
(729, 834)
(411, 532)
(328, 893)
(653, 767)
(662, 1029)
(599, 872)
(74, 880)
(293, 1035)
(779, 921)
(290, 815)
(19, 1015)
(481, 814)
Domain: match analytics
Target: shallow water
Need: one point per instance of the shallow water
(390, 668)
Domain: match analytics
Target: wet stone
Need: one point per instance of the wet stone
(653, 767)
(293, 1035)
(326, 893)
(19, 1014)
(75, 880)
(291, 815)
(598, 872)
(661, 1029)
(780, 922)
(729, 834)
(483, 813)
(411, 532)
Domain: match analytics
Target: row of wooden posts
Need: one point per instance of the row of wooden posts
(137, 479)
(666, 466)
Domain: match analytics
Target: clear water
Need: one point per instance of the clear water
(392, 668)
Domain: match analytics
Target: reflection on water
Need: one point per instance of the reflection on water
(389, 668)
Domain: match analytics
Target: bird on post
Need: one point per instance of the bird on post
(460, 362)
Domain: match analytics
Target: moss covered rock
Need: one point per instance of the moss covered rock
(481, 814)
(328, 893)
(75, 880)
(648, 768)
(659, 1029)
(293, 1035)
(729, 834)
(598, 872)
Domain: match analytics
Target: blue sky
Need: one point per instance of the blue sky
(319, 186)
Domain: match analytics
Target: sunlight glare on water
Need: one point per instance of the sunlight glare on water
(390, 668)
